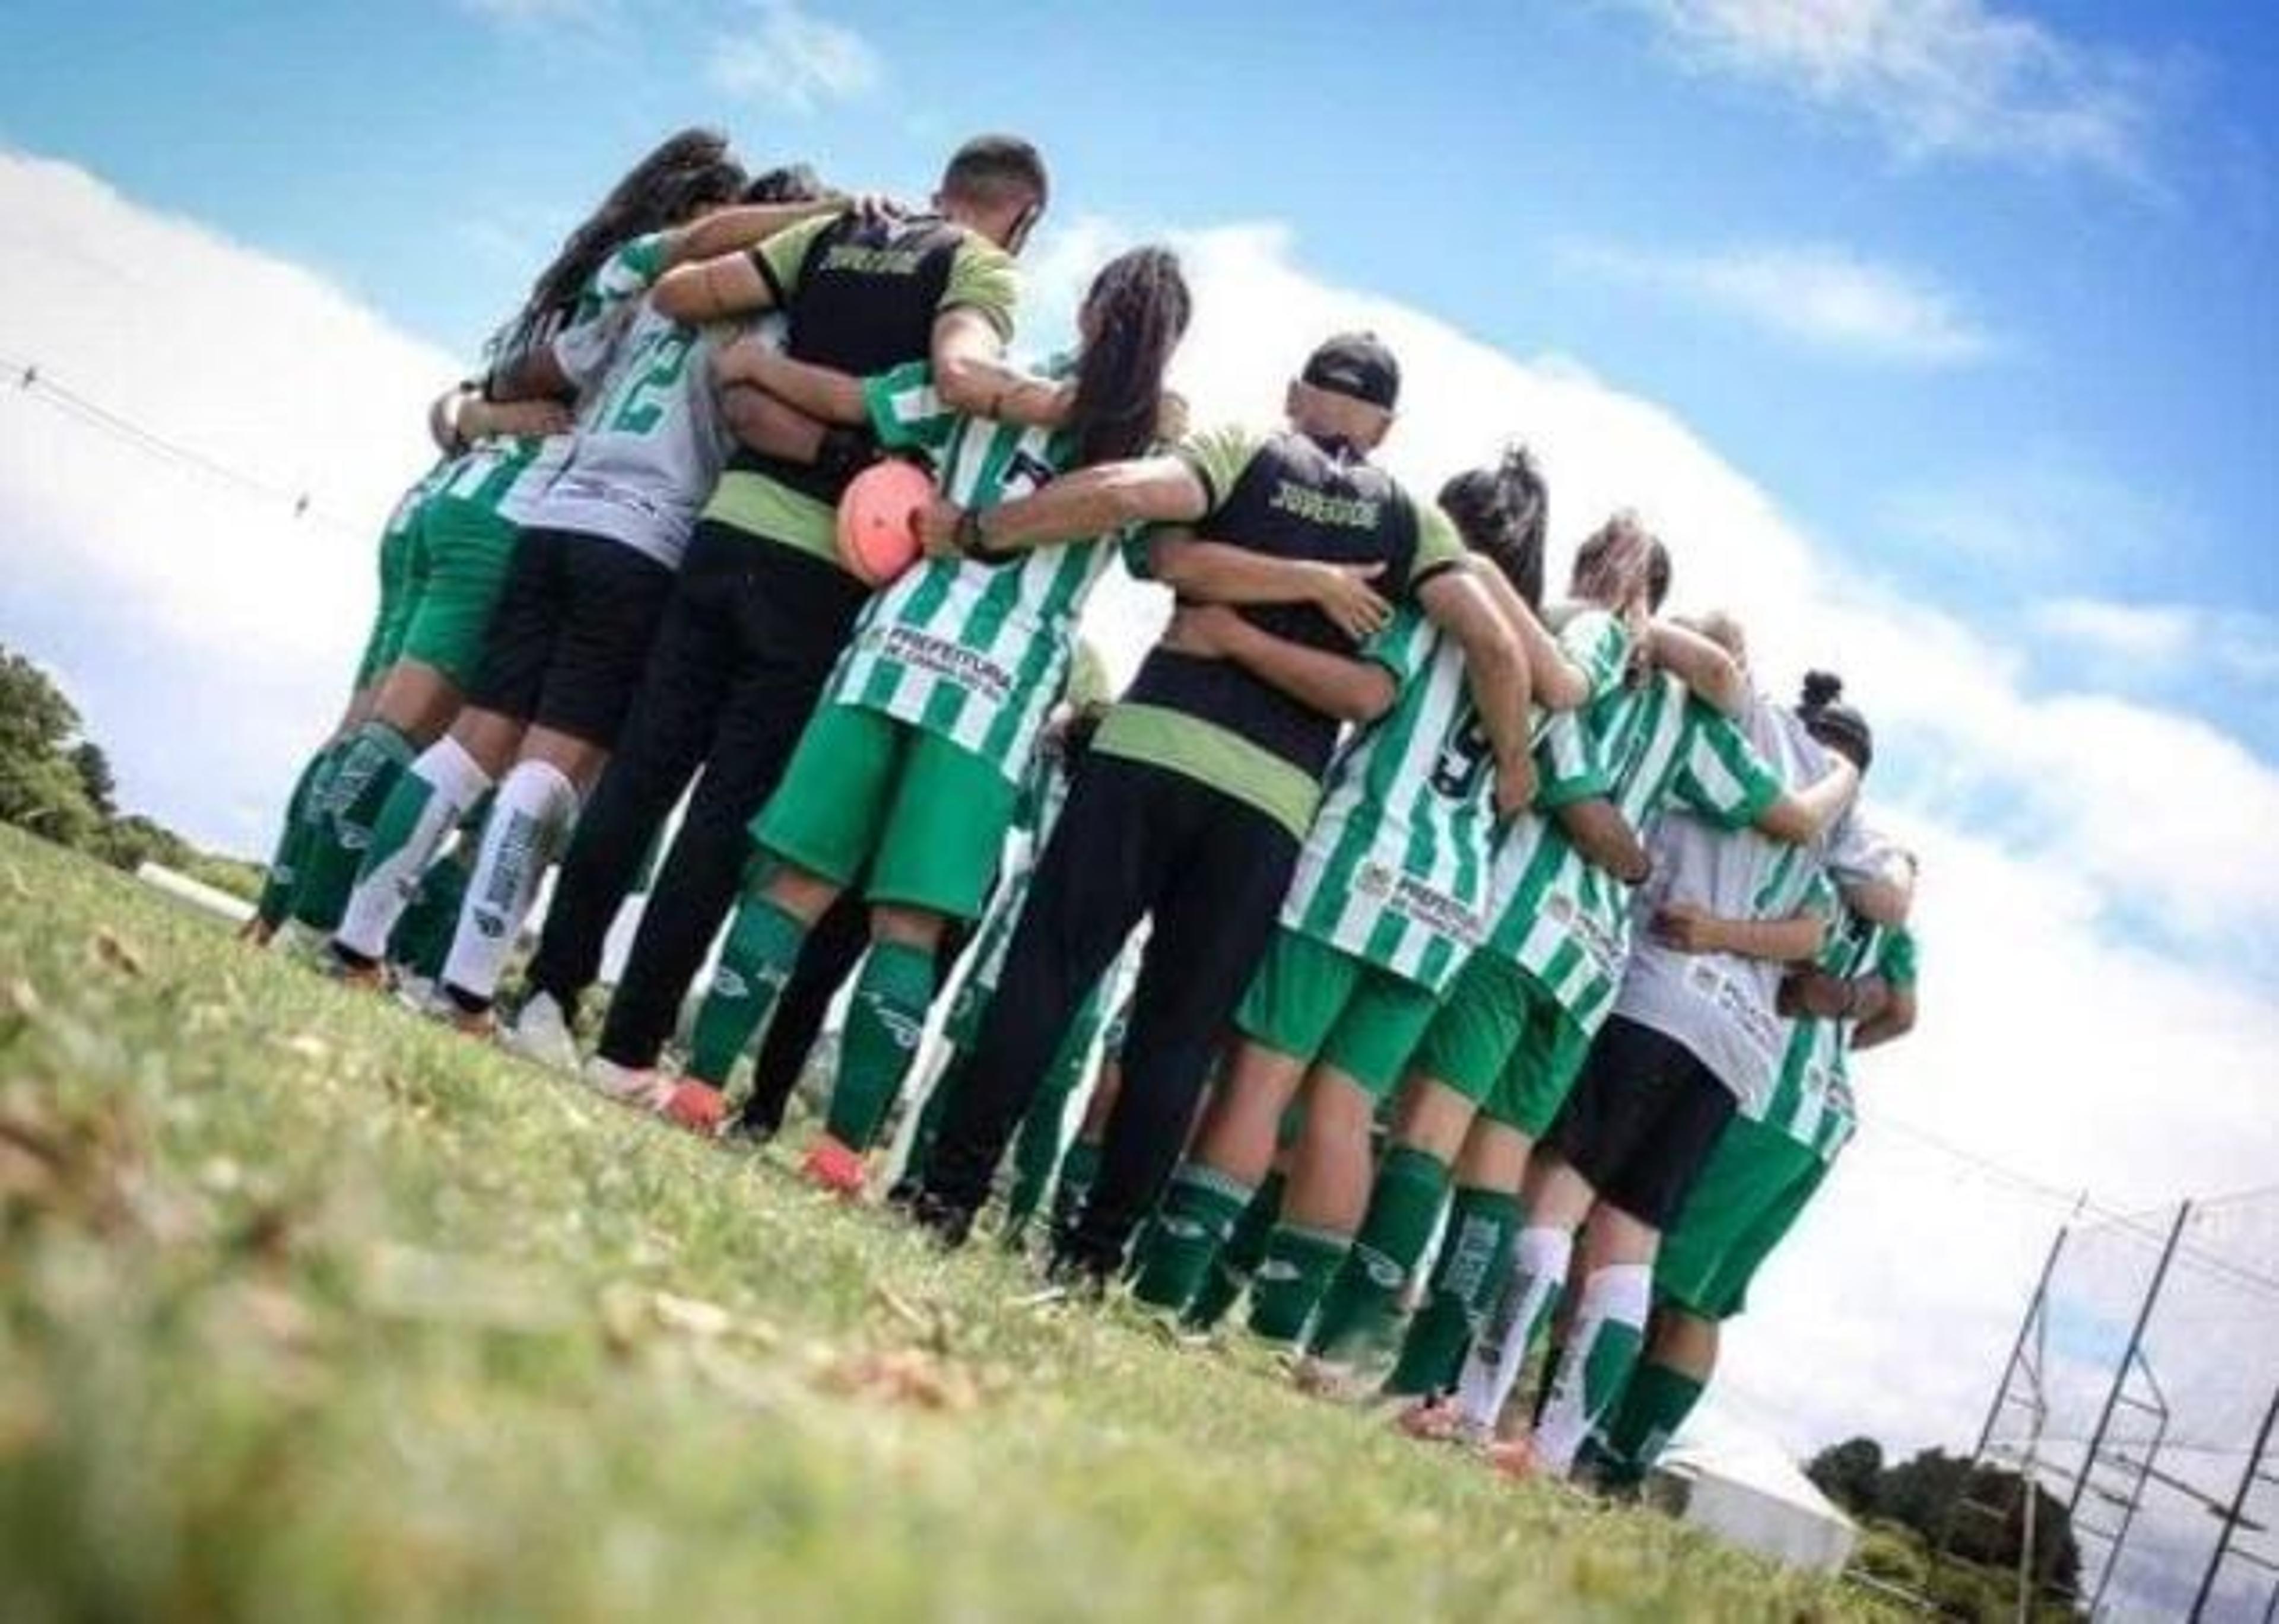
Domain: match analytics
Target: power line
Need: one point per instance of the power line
(35, 381)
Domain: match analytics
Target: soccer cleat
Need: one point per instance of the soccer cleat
(540, 1034)
(945, 1221)
(833, 1165)
(1438, 1420)
(697, 1107)
(480, 1025)
(366, 977)
(1335, 1379)
(640, 1087)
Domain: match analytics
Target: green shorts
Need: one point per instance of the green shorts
(460, 551)
(1747, 1198)
(929, 817)
(393, 613)
(1505, 1044)
(1310, 1000)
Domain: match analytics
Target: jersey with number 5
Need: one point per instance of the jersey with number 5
(649, 441)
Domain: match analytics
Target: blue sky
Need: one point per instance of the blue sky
(1551, 176)
(1937, 334)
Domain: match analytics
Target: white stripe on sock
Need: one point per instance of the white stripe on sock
(525, 829)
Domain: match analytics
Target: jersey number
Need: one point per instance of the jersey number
(635, 410)
(1462, 764)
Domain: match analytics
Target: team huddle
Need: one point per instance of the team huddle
(1474, 969)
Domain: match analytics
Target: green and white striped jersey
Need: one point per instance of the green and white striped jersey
(1563, 919)
(974, 652)
(1396, 868)
(1811, 1100)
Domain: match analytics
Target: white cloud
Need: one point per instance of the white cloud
(1934, 78)
(2163, 640)
(209, 636)
(796, 61)
(1824, 298)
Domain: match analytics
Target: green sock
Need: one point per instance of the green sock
(1079, 1168)
(422, 937)
(277, 885)
(1239, 1258)
(884, 1019)
(1474, 1259)
(1290, 1278)
(1199, 1212)
(374, 759)
(1037, 1147)
(762, 951)
(1653, 1406)
(1364, 1300)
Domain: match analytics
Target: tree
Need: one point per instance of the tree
(94, 769)
(40, 789)
(1849, 1473)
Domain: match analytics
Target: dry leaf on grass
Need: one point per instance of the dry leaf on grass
(109, 950)
(903, 1376)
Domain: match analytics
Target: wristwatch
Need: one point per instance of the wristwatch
(968, 536)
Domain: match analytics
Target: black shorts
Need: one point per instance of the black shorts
(570, 638)
(1643, 1117)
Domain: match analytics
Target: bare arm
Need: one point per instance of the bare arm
(1091, 501)
(1338, 686)
(1605, 838)
(1221, 572)
(534, 375)
(712, 289)
(1460, 605)
(1884, 901)
(740, 228)
(970, 373)
(768, 425)
(1693, 929)
(1699, 664)
(1801, 816)
(1895, 1019)
(1556, 682)
(823, 392)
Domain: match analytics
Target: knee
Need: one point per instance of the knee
(805, 895)
(905, 927)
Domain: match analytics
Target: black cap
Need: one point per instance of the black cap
(1356, 364)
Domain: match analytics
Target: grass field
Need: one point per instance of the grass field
(310, 1310)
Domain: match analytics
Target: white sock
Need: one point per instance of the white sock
(1541, 1257)
(452, 781)
(535, 808)
(1613, 1312)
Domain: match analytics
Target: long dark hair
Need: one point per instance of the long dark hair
(1135, 314)
(687, 172)
(1501, 511)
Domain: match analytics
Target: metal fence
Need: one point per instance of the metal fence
(2142, 1395)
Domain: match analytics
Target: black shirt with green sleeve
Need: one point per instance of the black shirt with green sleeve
(1281, 493)
(861, 296)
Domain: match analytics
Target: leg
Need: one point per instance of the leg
(1094, 881)
(427, 802)
(834, 945)
(1602, 1346)
(1214, 918)
(665, 739)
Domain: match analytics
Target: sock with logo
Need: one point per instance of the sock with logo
(537, 804)
(1199, 1212)
(1290, 1278)
(1364, 1299)
(375, 757)
(1239, 1260)
(276, 900)
(761, 953)
(429, 798)
(1602, 1349)
(884, 1019)
(1521, 1309)
(1474, 1259)
(1653, 1406)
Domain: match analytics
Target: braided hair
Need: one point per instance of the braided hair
(1502, 511)
(687, 172)
(1834, 724)
(1134, 315)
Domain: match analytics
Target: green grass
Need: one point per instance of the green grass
(309, 1310)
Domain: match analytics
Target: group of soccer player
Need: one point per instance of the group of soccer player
(1476, 969)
